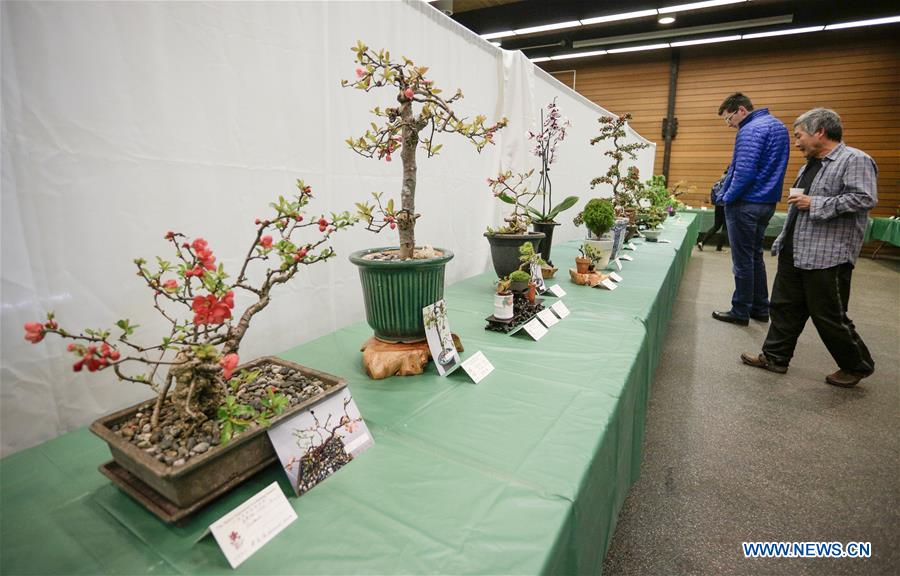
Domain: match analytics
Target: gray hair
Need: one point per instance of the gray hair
(821, 118)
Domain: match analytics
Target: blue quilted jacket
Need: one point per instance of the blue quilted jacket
(761, 151)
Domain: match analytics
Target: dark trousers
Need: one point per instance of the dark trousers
(718, 223)
(747, 224)
(822, 295)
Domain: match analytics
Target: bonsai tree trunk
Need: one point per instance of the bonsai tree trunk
(406, 219)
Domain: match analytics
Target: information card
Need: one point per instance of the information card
(547, 317)
(618, 264)
(535, 329)
(557, 290)
(630, 246)
(615, 277)
(244, 530)
(608, 284)
(627, 257)
(477, 366)
(560, 309)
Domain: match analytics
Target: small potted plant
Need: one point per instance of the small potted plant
(518, 281)
(626, 186)
(599, 217)
(553, 131)
(204, 427)
(399, 281)
(503, 300)
(651, 218)
(583, 263)
(506, 240)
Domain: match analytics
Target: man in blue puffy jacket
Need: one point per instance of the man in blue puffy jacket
(750, 192)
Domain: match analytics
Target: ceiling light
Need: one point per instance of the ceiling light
(579, 55)
(706, 41)
(784, 32)
(541, 59)
(666, 19)
(874, 22)
(546, 27)
(497, 44)
(697, 5)
(495, 35)
(615, 17)
(638, 48)
(684, 32)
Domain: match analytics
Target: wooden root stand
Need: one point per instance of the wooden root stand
(385, 359)
(588, 279)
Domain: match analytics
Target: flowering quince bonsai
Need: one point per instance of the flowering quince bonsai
(627, 188)
(200, 352)
(553, 131)
(405, 129)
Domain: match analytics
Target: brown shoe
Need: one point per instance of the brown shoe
(845, 379)
(760, 361)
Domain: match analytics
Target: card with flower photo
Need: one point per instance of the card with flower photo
(321, 440)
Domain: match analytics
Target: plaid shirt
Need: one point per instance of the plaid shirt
(831, 231)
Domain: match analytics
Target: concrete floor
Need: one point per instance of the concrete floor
(734, 453)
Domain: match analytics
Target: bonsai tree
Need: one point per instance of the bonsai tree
(599, 216)
(651, 217)
(420, 115)
(512, 190)
(197, 298)
(655, 190)
(527, 255)
(503, 286)
(553, 131)
(626, 187)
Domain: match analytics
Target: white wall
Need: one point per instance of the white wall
(121, 121)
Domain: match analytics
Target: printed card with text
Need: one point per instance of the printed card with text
(477, 366)
(247, 528)
(560, 309)
(557, 290)
(440, 340)
(319, 441)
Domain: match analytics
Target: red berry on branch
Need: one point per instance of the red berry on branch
(408, 93)
(70, 347)
(76, 367)
(393, 225)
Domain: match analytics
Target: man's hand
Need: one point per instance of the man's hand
(801, 201)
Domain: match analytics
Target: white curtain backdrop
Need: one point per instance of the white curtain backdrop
(123, 120)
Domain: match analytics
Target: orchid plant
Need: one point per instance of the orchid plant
(197, 298)
(420, 115)
(627, 187)
(511, 189)
(553, 131)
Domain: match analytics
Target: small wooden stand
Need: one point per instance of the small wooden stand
(385, 359)
(591, 279)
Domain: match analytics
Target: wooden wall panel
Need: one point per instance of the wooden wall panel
(855, 72)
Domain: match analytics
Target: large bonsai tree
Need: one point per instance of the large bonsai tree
(420, 114)
(626, 187)
(197, 298)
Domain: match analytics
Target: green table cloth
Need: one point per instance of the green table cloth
(706, 218)
(884, 230)
(522, 473)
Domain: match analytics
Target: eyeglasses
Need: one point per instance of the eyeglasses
(729, 117)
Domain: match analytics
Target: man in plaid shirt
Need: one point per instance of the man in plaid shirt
(822, 236)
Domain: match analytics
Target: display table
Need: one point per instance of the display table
(523, 473)
(706, 218)
(884, 230)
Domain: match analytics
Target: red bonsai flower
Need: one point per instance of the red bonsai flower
(228, 363)
(210, 310)
(34, 332)
(204, 254)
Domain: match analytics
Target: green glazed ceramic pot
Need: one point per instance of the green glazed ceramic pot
(396, 291)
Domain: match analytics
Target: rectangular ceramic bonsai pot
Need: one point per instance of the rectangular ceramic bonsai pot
(221, 465)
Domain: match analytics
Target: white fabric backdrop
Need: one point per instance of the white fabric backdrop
(121, 121)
